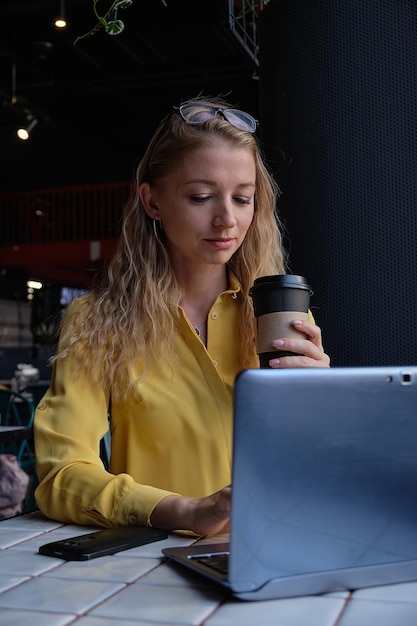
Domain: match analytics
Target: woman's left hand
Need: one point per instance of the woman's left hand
(308, 348)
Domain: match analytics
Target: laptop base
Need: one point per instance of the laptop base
(293, 586)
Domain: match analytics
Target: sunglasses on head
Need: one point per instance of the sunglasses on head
(200, 113)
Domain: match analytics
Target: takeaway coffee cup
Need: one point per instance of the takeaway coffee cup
(277, 301)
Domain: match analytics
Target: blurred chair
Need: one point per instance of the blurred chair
(105, 449)
(36, 391)
(18, 410)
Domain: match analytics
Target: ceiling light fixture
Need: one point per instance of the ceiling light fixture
(60, 21)
(24, 131)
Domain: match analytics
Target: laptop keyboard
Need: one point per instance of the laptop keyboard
(217, 562)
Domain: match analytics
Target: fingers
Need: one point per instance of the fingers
(288, 362)
(223, 501)
(210, 515)
(312, 331)
(204, 516)
(308, 348)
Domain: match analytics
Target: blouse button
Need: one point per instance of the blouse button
(132, 519)
(215, 363)
(43, 406)
(214, 315)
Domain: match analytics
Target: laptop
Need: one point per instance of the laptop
(324, 494)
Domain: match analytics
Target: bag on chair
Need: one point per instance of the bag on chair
(13, 486)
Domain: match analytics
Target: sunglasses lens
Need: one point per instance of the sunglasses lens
(198, 114)
(240, 119)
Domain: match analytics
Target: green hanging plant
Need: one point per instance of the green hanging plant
(109, 21)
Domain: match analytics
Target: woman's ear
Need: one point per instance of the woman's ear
(147, 198)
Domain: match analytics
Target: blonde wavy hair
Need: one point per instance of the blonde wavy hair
(124, 318)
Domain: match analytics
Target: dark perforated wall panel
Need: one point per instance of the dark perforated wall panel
(338, 109)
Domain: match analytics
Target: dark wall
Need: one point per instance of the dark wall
(338, 105)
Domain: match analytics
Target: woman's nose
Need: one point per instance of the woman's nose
(225, 215)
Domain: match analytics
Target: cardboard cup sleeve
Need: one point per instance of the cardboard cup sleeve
(275, 326)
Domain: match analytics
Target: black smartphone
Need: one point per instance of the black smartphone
(102, 542)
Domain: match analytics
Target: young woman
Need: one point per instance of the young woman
(158, 345)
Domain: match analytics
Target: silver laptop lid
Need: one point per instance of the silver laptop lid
(324, 472)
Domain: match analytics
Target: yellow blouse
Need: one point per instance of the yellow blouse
(176, 437)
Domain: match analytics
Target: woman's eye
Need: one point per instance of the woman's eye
(241, 200)
(238, 199)
(199, 199)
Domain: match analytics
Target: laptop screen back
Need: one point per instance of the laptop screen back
(324, 471)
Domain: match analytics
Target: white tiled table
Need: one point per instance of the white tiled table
(140, 587)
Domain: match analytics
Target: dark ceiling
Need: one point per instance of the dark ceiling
(98, 101)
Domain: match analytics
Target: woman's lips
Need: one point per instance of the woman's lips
(221, 244)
